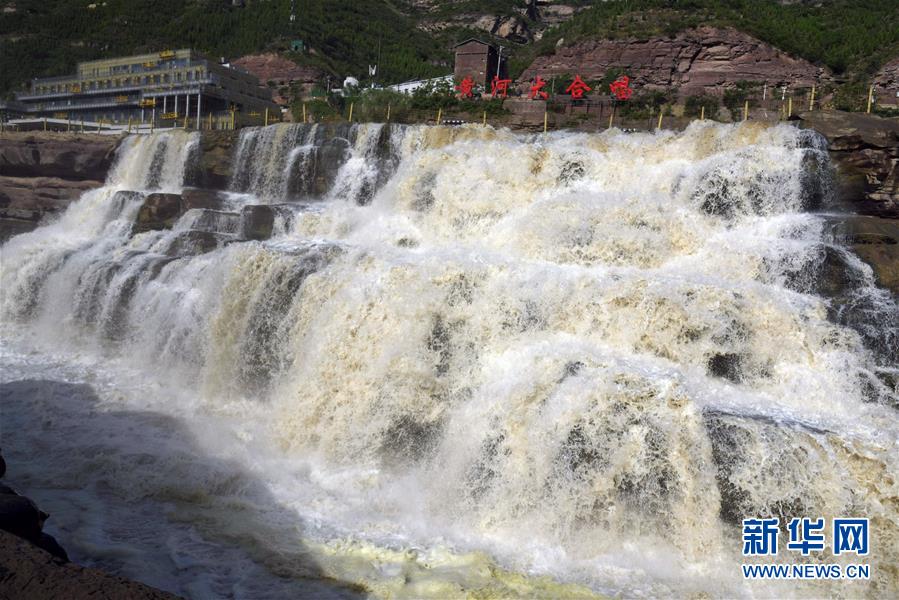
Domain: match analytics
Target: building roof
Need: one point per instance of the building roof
(462, 43)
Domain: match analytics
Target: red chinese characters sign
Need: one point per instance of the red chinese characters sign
(621, 88)
(577, 88)
(465, 87)
(499, 87)
(537, 89)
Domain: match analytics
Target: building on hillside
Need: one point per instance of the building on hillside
(480, 61)
(409, 87)
(162, 88)
(11, 109)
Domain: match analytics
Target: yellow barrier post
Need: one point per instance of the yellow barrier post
(304, 112)
(210, 122)
(388, 112)
(661, 112)
(746, 110)
(870, 99)
(439, 112)
(266, 117)
(232, 119)
(611, 117)
(484, 121)
(811, 101)
(790, 107)
(702, 113)
(350, 119)
(545, 120)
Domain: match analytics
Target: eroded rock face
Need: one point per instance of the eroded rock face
(866, 150)
(705, 59)
(42, 173)
(65, 156)
(875, 241)
(30, 198)
(886, 83)
(213, 169)
(159, 211)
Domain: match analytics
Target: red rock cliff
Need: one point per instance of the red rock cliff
(705, 59)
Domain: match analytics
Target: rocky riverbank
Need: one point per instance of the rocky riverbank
(41, 173)
(34, 565)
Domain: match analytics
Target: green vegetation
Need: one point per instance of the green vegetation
(735, 98)
(47, 37)
(694, 105)
(421, 106)
(854, 36)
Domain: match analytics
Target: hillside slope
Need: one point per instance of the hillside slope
(413, 38)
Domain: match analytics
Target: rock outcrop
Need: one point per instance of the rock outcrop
(705, 59)
(865, 149)
(34, 565)
(275, 70)
(213, 170)
(66, 156)
(41, 173)
(27, 571)
(875, 241)
(886, 83)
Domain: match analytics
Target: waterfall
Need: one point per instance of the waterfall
(296, 162)
(602, 350)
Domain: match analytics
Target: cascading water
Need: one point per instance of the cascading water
(583, 356)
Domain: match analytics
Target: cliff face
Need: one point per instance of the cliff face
(866, 151)
(705, 59)
(886, 81)
(272, 69)
(41, 173)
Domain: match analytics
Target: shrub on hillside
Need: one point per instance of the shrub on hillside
(694, 104)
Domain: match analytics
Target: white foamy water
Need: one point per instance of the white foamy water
(471, 361)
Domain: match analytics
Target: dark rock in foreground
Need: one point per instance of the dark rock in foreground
(27, 571)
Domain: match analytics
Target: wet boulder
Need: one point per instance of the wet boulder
(20, 516)
(159, 211)
(329, 157)
(257, 222)
(201, 198)
(194, 242)
(216, 221)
